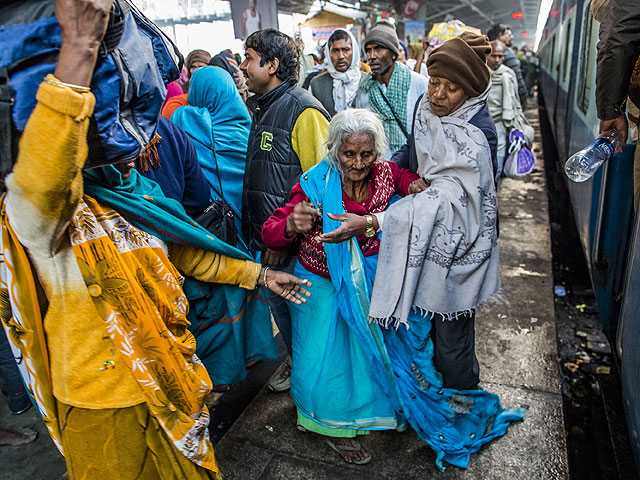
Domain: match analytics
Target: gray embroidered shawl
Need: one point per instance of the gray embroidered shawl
(439, 248)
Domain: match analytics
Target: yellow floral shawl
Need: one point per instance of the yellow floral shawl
(137, 291)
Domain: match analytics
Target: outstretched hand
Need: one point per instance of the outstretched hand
(286, 285)
(352, 225)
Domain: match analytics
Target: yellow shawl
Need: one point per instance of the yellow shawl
(137, 291)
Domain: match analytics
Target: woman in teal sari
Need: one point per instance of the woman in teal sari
(334, 382)
(232, 327)
(351, 375)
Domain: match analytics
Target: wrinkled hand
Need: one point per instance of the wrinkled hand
(417, 186)
(286, 285)
(621, 124)
(301, 219)
(83, 24)
(273, 258)
(352, 225)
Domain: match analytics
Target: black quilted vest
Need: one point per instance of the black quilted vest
(273, 167)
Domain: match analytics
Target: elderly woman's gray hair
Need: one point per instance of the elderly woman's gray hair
(354, 120)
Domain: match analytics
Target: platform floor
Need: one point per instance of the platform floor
(516, 346)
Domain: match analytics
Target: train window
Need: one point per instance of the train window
(565, 62)
(587, 49)
(552, 57)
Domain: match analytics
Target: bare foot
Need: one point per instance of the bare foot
(13, 437)
(350, 450)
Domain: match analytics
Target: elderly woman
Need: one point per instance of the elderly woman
(439, 258)
(338, 390)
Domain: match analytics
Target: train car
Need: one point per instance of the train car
(607, 222)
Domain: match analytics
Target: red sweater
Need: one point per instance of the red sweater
(386, 179)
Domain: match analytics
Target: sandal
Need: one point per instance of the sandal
(347, 448)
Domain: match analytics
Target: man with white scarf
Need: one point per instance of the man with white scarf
(336, 88)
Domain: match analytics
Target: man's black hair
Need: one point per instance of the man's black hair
(271, 44)
(496, 30)
(338, 35)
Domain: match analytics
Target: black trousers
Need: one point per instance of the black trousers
(455, 356)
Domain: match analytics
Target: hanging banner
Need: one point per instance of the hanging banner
(251, 15)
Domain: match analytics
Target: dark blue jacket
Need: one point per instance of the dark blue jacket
(406, 157)
(179, 174)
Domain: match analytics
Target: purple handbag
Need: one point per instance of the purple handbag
(521, 160)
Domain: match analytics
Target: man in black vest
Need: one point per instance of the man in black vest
(336, 88)
(288, 131)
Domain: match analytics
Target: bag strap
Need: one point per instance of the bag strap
(215, 157)
(402, 127)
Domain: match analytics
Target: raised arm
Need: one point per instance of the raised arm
(46, 184)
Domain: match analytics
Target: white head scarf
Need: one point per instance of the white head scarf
(345, 84)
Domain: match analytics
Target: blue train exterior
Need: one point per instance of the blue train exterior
(608, 224)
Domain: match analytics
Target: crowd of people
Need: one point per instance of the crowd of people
(361, 216)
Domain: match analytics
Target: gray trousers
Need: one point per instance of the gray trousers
(455, 356)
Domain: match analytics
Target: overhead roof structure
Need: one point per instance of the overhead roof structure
(484, 13)
(327, 19)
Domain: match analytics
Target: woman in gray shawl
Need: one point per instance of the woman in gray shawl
(439, 254)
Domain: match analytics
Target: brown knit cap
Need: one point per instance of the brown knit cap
(462, 60)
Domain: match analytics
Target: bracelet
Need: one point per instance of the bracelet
(50, 79)
(264, 277)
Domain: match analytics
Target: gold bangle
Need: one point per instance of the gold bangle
(77, 88)
(264, 277)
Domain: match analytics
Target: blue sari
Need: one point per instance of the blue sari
(454, 423)
(341, 375)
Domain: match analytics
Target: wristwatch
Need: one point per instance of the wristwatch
(370, 231)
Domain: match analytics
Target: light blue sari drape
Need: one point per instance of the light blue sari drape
(216, 113)
(453, 423)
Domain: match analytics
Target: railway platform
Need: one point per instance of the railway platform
(517, 348)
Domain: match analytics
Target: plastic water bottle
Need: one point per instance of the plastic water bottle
(582, 165)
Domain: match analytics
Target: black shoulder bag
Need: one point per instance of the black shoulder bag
(218, 217)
